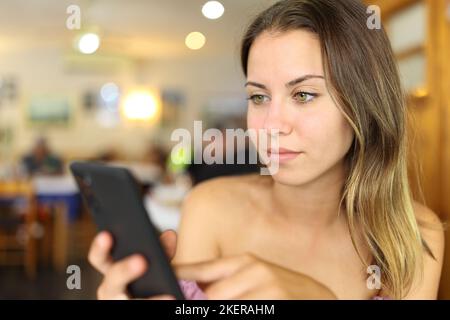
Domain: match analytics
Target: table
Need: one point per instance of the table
(59, 189)
(164, 205)
(61, 195)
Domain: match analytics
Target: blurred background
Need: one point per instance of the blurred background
(110, 80)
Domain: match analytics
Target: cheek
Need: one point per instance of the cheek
(326, 134)
(255, 120)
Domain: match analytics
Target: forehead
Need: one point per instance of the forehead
(286, 54)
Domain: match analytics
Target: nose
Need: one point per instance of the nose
(277, 118)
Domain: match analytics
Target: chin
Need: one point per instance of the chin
(288, 177)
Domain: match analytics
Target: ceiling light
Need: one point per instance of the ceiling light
(89, 43)
(213, 10)
(195, 40)
(140, 105)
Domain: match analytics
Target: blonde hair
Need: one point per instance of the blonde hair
(363, 80)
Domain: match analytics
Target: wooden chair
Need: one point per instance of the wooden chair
(18, 225)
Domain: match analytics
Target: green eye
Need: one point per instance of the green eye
(258, 99)
(304, 97)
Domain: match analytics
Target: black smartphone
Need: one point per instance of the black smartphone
(114, 198)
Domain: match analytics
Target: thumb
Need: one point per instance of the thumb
(169, 241)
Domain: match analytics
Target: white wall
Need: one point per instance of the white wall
(41, 70)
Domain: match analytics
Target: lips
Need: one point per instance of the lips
(282, 154)
(281, 151)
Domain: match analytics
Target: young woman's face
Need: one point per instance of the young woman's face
(288, 93)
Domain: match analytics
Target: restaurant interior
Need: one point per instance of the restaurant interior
(110, 80)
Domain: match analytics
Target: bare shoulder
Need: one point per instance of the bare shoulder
(425, 214)
(223, 192)
(206, 212)
(431, 228)
(432, 231)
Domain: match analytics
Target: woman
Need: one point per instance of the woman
(340, 200)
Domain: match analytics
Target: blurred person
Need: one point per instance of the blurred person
(109, 155)
(202, 171)
(41, 160)
(156, 156)
(340, 202)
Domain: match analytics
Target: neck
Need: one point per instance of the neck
(314, 204)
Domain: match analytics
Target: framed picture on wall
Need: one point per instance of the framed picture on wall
(49, 110)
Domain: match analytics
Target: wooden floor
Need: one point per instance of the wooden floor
(48, 284)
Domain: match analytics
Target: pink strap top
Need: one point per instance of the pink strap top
(192, 291)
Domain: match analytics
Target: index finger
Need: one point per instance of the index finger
(212, 270)
(99, 253)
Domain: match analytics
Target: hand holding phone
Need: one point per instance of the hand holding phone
(130, 255)
(118, 275)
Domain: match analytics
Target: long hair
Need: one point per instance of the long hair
(363, 80)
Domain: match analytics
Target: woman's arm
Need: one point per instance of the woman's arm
(198, 231)
(247, 277)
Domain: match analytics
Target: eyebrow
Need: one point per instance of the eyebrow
(289, 84)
